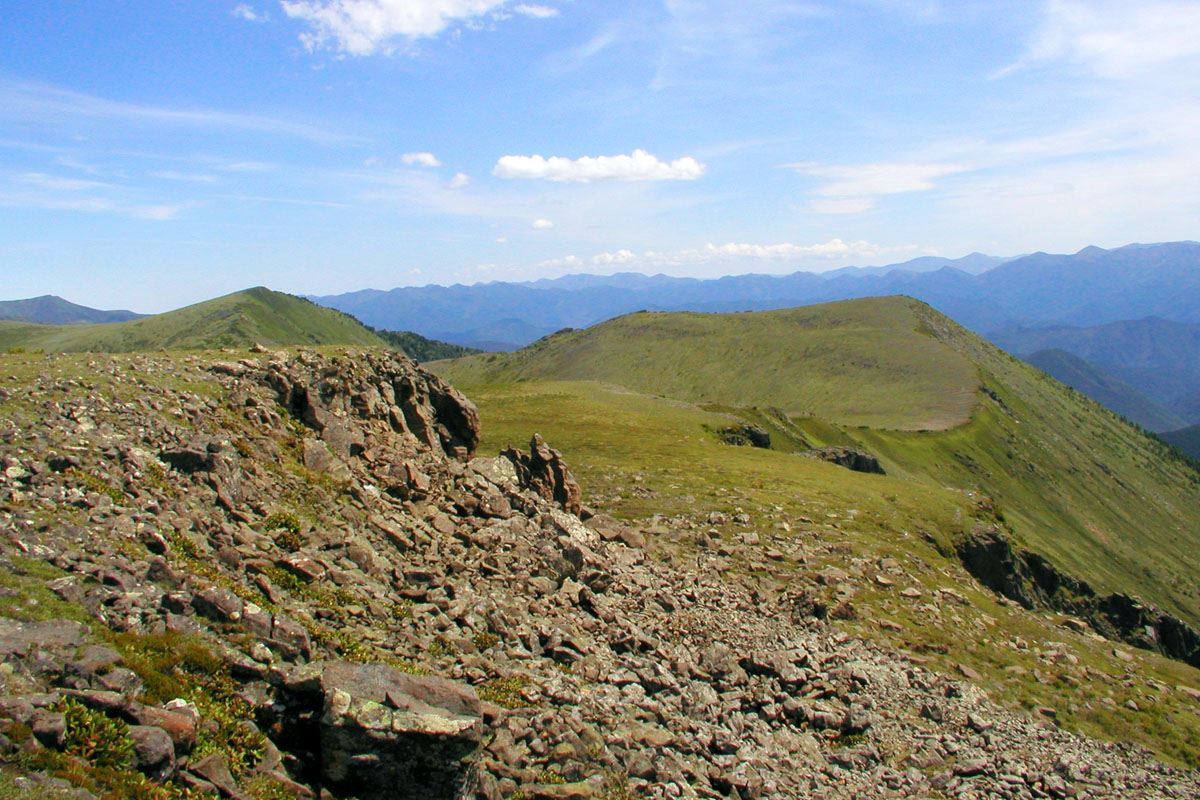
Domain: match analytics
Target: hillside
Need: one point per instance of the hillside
(1105, 389)
(51, 310)
(256, 315)
(1072, 481)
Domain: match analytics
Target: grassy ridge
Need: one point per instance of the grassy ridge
(235, 320)
(1072, 480)
(864, 363)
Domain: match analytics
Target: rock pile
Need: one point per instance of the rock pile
(285, 575)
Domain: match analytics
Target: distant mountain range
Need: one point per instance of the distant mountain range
(1091, 287)
(52, 310)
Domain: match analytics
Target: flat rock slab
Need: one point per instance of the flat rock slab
(53, 634)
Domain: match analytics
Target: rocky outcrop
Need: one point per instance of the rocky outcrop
(1031, 580)
(544, 472)
(849, 457)
(325, 395)
(745, 435)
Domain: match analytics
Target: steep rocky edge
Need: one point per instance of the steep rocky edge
(278, 574)
(1034, 582)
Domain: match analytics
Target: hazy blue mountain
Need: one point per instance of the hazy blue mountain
(973, 264)
(1187, 440)
(1106, 389)
(1158, 356)
(1091, 287)
(52, 310)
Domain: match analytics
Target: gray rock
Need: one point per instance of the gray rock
(153, 751)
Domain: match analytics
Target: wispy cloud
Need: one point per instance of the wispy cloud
(91, 205)
(190, 177)
(638, 166)
(47, 103)
(536, 11)
(1114, 38)
(367, 27)
(245, 166)
(60, 184)
(459, 180)
(851, 189)
(541, 224)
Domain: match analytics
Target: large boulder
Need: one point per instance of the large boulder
(385, 734)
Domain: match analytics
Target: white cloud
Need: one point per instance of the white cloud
(365, 27)
(818, 257)
(459, 180)
(639, 166)
(1114, 38)
(501, 240)
(421, 159)
(542, 224)
(536, 11)
(247, 13)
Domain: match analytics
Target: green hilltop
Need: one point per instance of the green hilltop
(944, 410)
(257, 315)
(851, 363)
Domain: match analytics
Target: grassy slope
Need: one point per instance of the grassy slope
(1073, 480)
(239, 319)
(824, 360)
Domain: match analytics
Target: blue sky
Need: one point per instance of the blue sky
(157, 153)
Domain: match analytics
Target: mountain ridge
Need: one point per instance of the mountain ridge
(1093, 286)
